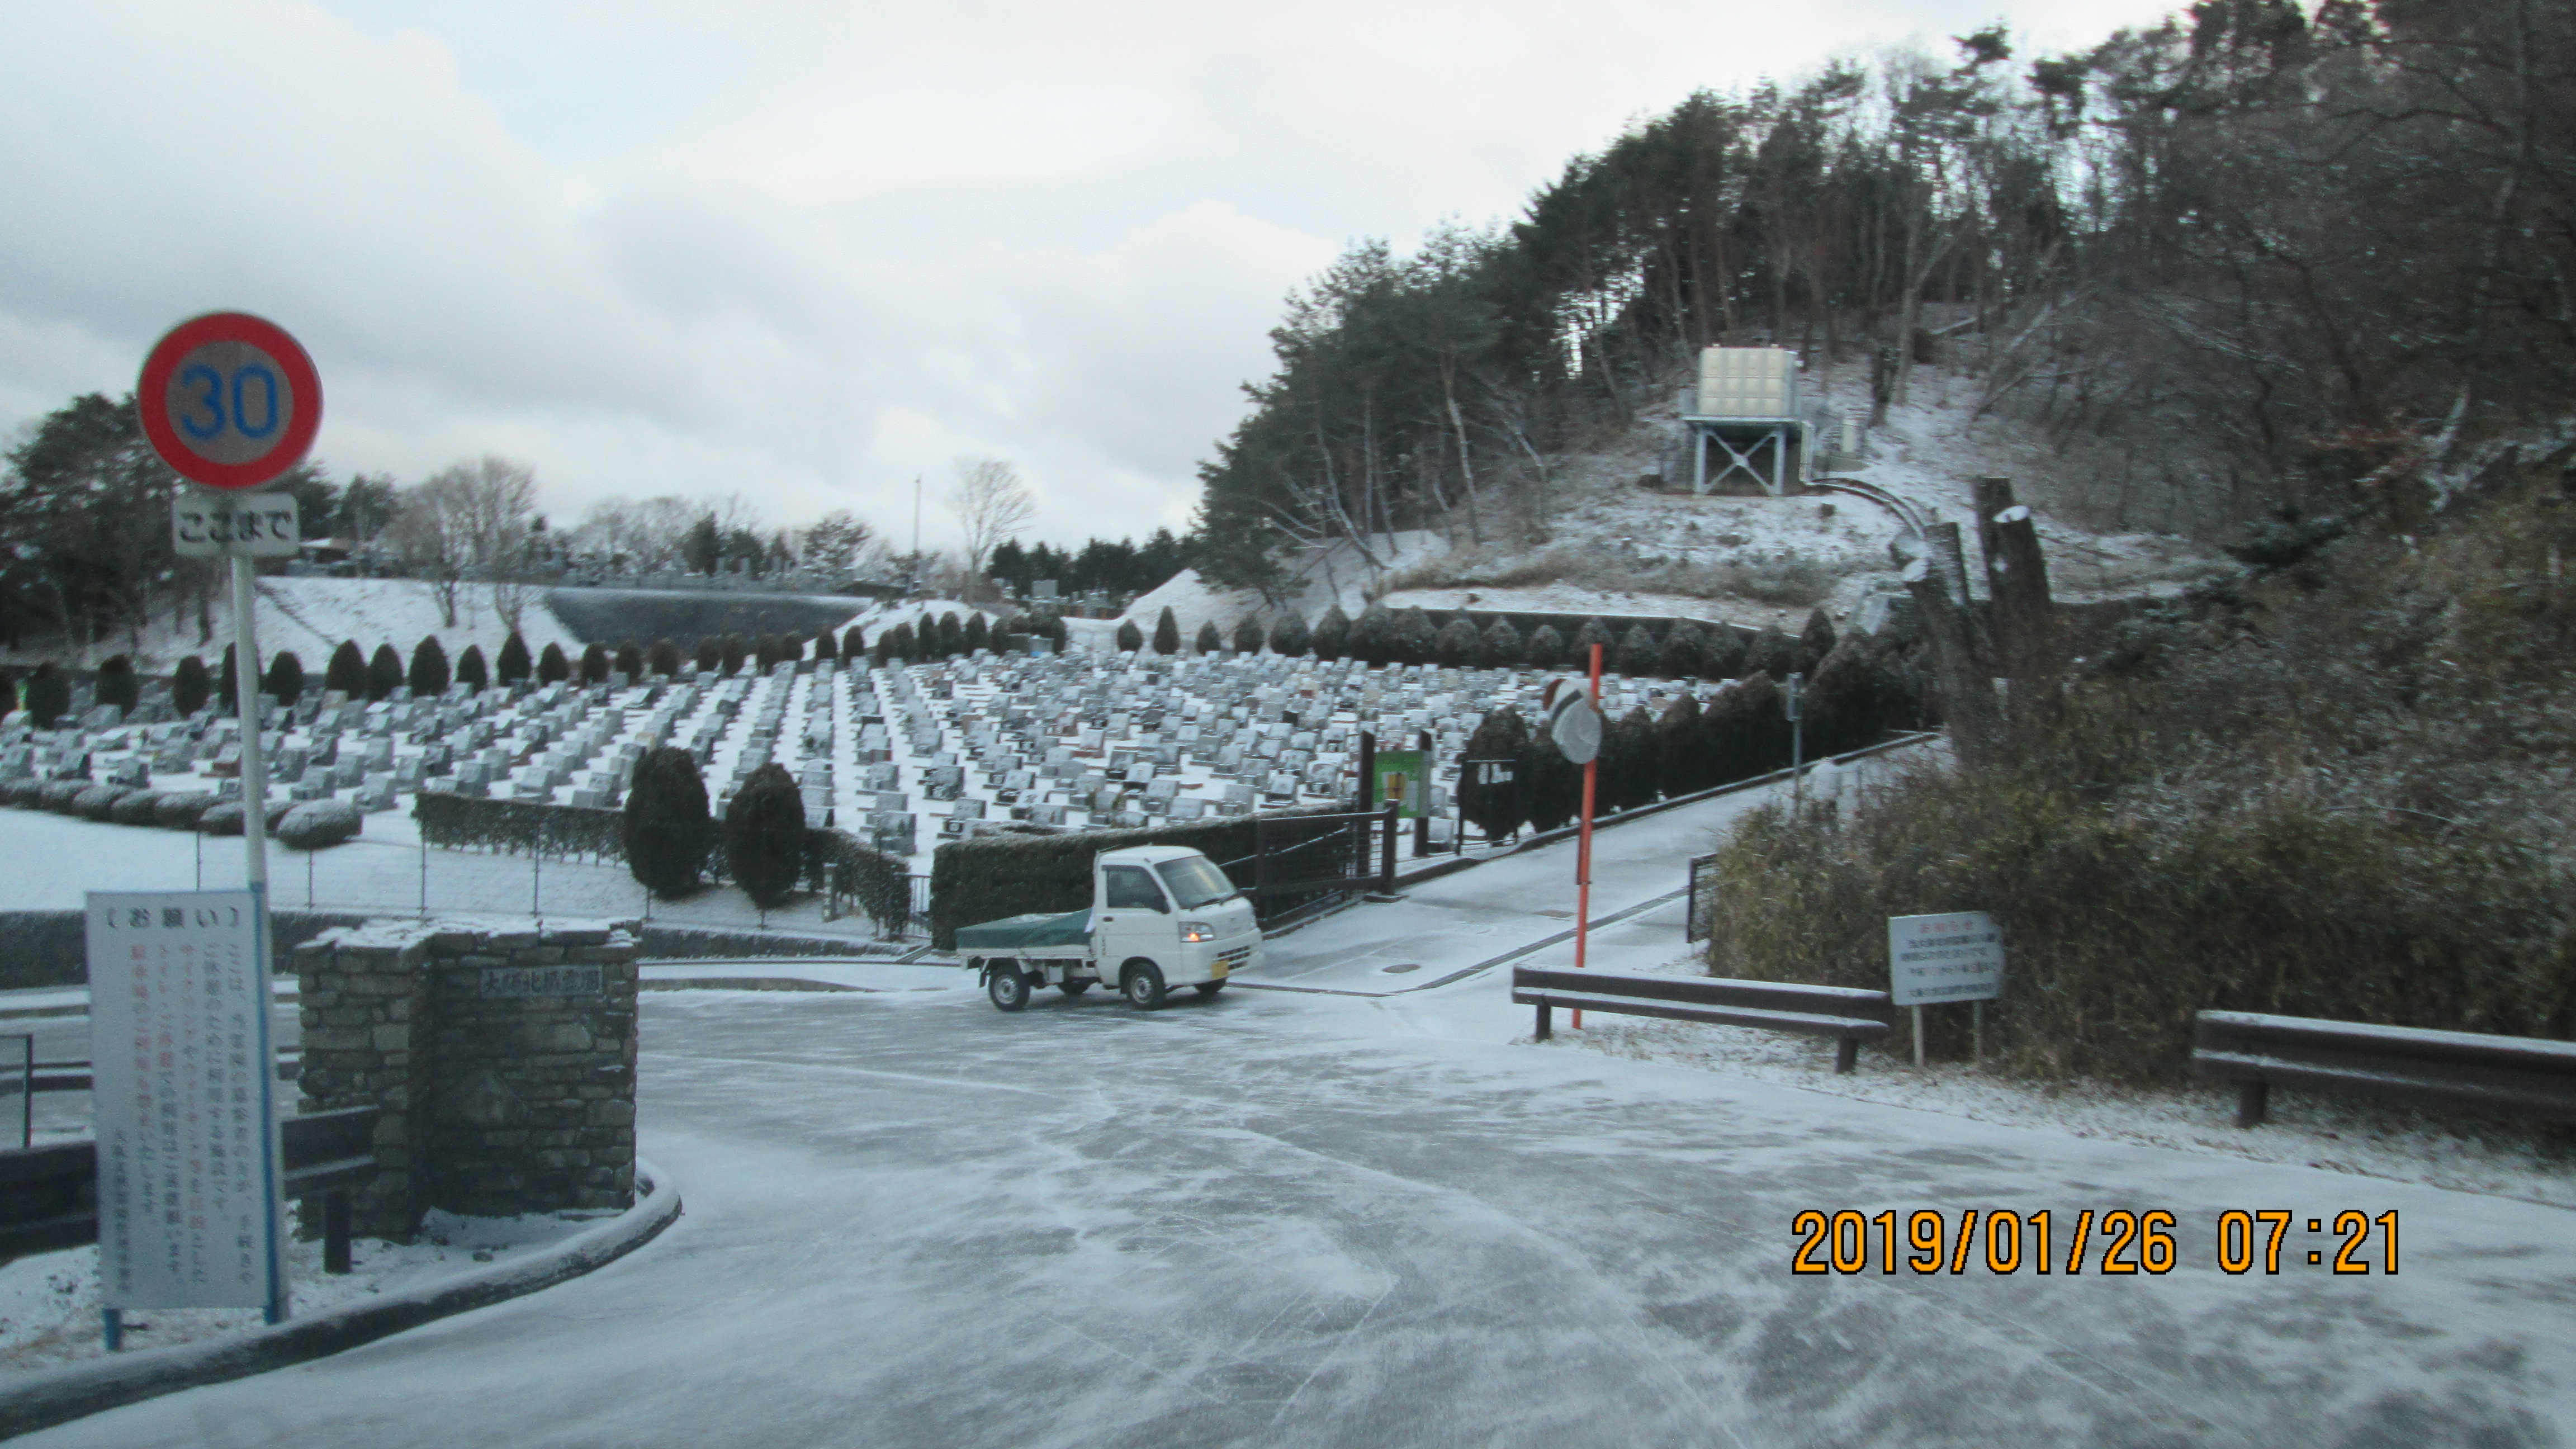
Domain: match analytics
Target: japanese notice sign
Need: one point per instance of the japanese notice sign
(1954, 957)
(1399, 780)
(182, 1097)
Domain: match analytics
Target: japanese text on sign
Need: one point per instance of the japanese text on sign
(1954, 957)
(181, 1097)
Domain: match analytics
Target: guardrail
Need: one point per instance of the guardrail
(2512, 1075)
(49, 1194)
(1847, 1014)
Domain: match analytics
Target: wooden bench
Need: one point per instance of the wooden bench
(1847, 1014)
(48, 1194)
(2511, 1075)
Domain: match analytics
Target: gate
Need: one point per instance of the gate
(1302, 861)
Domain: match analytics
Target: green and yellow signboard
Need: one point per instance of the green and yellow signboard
(1400, 779)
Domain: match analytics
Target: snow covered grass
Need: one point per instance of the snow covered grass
(49, 1303)
(311, 616)
(2533, 1163)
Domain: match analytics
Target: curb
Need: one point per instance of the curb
(75, 1391)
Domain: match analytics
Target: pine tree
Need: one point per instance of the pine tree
(117, 684)
(594, 663)
(1502, 646)
(1291, 638)
(190, 686)
(471, 671)
(952, 637)
(429, 672)
(1722, 657)
(854, 642)
(1637, 655)
(709, 653)
(764, 835)
(667, 829)
(666, 658)
(979, 633)
(1247, 636)
(285, 680)
(1594, 631)
(1458, 646)
(1332, 635)
(384, 673)
(1373, 636)
(1684, 652)
(49, 695)
(346, 672)
(1130, 638)
(1209, 640)
(825, 647)
(1167, 633)
(765, 653)
(1546, 648)
(1411, 639)
(512, 665)
(734, 654)
(899, 644)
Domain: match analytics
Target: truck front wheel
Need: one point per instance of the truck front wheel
(1008, 988)
(1143, 983)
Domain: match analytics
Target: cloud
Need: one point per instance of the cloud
(803, 251)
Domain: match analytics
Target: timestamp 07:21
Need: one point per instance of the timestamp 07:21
(2114, 1243)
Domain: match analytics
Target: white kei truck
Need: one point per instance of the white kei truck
(1161, 916)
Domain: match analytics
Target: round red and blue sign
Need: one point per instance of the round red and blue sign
(229, 400)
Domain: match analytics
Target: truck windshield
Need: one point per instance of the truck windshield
(1196, 882)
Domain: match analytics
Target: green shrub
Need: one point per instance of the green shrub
(666, 658)
(1546, 648)
(764, 835)
(285, 677)
(511, 667)
(1332, 635)
(595, 665)
(952, 635)
(1497, 809)
(429, 674)
(117, 684)
(709, 654)
(1373, 636)
(854, 642)
(1772, 653)
(1247, 635)
(1579, 654)
(1209, 640)
(49, 695)
(1722, 657)
(471, 670)
(1551, 784)
(979, 633)
(347, 671)
(1816, 640)
(1457, 645)
(1681, 761)
(668, 832)
(732, 655)
(1291, 638)
(190, 686)
(1130, 638)
(552, 666)
(1684, 651)
(384, 673)
(1167, 633)
(1412, 640)
(1502, 647)
(881, 883)
(765, 653)
(1637, 656)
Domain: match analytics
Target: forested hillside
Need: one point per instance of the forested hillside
(2270, 261)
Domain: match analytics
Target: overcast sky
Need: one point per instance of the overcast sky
(804, 251)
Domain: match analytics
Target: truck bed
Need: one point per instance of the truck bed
(1039, 932)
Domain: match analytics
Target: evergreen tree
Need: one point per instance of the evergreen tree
(668, 832)
(1332, 635)
(1130, 638)
(1632, 741)
(595, 663)
(1684, 652)
(384, 673)
(225, 691)
(952, 637)
(1495, 809)
(1411, 639)
(1816, 640)
(1458, 645)
(471, 671)
(429, 672)
(552, 666)
(1291, 638)
(1637, 656)
(1594, 631)
(898, 644)
(49, 695)
(1167, 633)
(734, 654)
(1502, 646)
(979, 633)
(709, 654)
(190, 686)
(117, 685)
(1546, 648)
(1247, 636)
(854, 642)
(1773, 653)
(1681, 762)
(825, 647)
(1722, 657)
(663, 659)
(1209, 640)
(765, 653)
(9, 693)
(764, 835)
(1552, 785)
(1373, 636)
(347, 671)
(285, 680)
(512, 665)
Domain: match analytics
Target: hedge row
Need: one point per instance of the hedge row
(1383, 636)
(989, 877)
(520, 827)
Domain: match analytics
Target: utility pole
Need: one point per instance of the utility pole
(916, 532)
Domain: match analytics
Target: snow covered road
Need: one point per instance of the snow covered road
(1283, 1218)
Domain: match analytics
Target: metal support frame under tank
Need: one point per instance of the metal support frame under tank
(1756, 435)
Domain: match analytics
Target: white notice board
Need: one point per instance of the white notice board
(1954, 957)
(182, 1090)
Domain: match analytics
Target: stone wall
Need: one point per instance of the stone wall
(504, 1061)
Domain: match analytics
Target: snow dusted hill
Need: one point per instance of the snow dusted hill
(312, 615)
(1616, 547)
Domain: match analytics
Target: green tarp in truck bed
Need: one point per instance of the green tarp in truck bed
(1027, 933)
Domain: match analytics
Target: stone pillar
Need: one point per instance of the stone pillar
(503, 1060)
(364, 995)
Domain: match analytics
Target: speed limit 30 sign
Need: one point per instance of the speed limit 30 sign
(229, 400)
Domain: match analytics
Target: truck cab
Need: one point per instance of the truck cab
(1161, 916)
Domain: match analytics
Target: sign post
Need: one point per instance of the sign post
(1574, 722)
(230, 402)
(1954, 957)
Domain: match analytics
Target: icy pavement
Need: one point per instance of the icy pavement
(1275, 1218)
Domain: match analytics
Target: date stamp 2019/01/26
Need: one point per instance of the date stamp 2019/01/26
(2113, 1242)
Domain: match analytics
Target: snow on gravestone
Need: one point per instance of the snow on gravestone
(187, 1139)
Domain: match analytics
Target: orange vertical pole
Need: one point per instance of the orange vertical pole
(1583, 851)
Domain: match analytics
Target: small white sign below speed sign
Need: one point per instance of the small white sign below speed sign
(217, 525)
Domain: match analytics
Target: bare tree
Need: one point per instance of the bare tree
(992, 506)
(470, 520)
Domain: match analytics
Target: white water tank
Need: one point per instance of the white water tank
(1747, 382)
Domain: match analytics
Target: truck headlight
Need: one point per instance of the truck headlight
(1193, 932)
